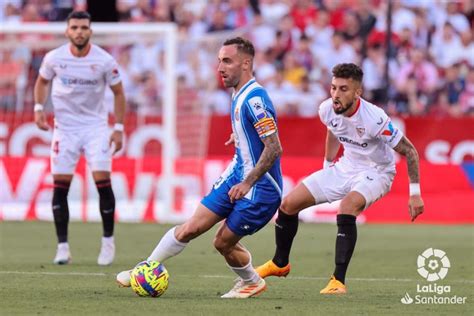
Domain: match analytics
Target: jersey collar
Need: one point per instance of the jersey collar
(357, 108)
(235, 95)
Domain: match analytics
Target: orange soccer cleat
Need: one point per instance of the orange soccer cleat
(270, 268)
(334, 287)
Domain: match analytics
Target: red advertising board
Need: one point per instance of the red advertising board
(27, 190)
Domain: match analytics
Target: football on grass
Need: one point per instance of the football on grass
(149, 278)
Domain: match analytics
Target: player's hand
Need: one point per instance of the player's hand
(238, 191)
(416, 206)
(231, 140)
(40, 120)
(117, 139)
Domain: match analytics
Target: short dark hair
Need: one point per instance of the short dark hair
(79, 15)
(348, 71)
(243, 45)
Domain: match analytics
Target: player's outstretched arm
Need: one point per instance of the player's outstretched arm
(270, 153)
(41, 94)
(406, 148)
(119, 111)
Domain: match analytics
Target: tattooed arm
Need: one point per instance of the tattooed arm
(269, 154)
(406, 148)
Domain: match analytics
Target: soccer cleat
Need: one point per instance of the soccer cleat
(242, 289)
(123, 278)
(334, 287)
(107, 252)
(63, 255)
(270, 268)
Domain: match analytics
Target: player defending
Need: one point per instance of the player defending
(248, 193)
(79, 72)
(359, 178)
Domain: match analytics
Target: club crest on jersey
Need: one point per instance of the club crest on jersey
(360, 131)
(94, 67)
(256, 104)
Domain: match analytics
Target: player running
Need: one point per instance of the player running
(80, 72)
(248, 193)
(360, 177)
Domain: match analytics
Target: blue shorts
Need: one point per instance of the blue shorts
(244, 217)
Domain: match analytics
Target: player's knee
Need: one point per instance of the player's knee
(222, 246)
(187, 232)
(287, 208)
(349, 207)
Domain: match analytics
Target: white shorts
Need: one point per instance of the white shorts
(333, 184)
(67, 147)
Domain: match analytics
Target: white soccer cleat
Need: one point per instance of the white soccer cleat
(123, 278)
(107, 252)
(242, 289)
(63, 255)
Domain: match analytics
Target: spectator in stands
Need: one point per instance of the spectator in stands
(450, 92)
(310, 96)
(218, 22)
(239, 14)
(320, 31)
(338, 50)
(445, 38)
(467, 50)
(416, 84)
(466, 99)
(375, 87)
(274, 10)
(262, 34)
(454, 16)
(283, 93)
(303, 13)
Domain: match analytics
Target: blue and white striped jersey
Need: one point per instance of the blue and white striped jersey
(253, 118)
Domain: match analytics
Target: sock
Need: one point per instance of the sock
(247, 273)
(286, 227)
(168, 247)
(61, 209)
(106, 206)
(345, 244)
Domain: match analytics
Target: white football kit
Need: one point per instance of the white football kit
(81, 117)
(368, 163)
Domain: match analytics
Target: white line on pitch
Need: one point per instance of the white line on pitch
(352, 279)
(54, 273)
(223, 276)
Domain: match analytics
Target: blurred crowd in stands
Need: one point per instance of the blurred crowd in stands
(430, 60)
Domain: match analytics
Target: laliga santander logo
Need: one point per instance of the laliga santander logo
(433, 264)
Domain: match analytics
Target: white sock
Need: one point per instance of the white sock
(63, 245)
(168, 247)
(108, 239)
(247, 273)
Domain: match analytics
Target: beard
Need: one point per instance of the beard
(82, 45)
(343, 108)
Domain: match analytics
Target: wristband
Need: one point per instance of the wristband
(415, 189)
(118, 127)
(38, 107)
(326, 163)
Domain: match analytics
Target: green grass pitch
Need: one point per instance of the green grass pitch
(382, 271)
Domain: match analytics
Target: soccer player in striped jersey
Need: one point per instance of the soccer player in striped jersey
(248, 193)
(80, 72)
(360, 177)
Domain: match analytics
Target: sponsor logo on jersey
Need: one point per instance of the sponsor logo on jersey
(351, 141)
(79, 82)
(389, 130)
